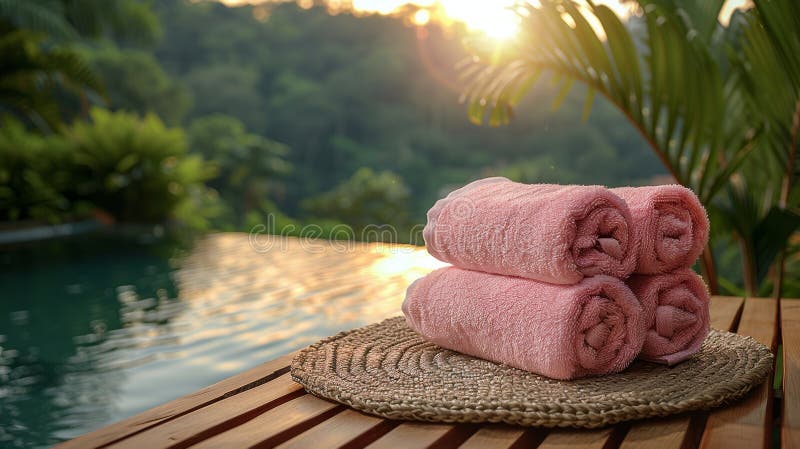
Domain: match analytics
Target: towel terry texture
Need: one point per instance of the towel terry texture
(560, 331)
(675, 314)
(539, 276)
(551, 233)
(670, 226)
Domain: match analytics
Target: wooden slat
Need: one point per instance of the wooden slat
(416, 435)
(262, 430)
(163, 413)
(494, 437)
(215, 418)
(668, 433)
(677, 432)
(745, 424)
(571, 438)
(246, 418)
(790, 332)
(724, 310)
(342, 428)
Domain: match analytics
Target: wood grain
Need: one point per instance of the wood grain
(262, 430)
(790, 328)
(494, 437)
(724, 310)
(745, 424)
(181, 406)
(665, 433)
(343, 428)
(420, 435)
(215, 418)
(571, 438)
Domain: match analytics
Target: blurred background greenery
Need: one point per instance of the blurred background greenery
(236, 113)
(213, 117)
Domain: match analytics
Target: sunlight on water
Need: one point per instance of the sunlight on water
(406, 262)
(96, 335)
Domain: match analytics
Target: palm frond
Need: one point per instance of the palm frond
(770, 76)
(45, 16)
(30, 74)
(663, 78)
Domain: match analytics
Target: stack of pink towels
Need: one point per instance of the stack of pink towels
(564, 281)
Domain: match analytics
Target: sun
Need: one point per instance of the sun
(498, 26)
(495, 18)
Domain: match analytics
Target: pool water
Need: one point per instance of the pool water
(98, 328)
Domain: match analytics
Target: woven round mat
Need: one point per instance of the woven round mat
(387, 369)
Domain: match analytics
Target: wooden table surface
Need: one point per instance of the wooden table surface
(263, 407)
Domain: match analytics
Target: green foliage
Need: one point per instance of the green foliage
(227, 89)
(367, 198)
(134, 81)
(39, 62)
(701, 106)
(249, 167)
(768, 68)
(126, 162)
(35, 181)
(347, 92)
(134, 169)
(47, 17)
(671, 89)
(32, 77)
(65, 20)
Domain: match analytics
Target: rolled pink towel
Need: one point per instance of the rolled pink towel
(558, 331)
(675, 314)
(550, 233)
(670, 226)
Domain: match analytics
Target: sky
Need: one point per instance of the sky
(493, 17)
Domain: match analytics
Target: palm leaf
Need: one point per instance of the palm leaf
(45, 16)
(29, 76)
(770, 76)
(665, 81)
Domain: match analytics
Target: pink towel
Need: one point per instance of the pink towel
(558, 331)
(675, 313)
(550, 233)
(670, 226)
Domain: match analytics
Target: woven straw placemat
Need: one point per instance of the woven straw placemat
(387, 369)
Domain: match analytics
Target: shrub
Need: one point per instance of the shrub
(136, 169)
(250, 167)
(35, 177)
(367, 198)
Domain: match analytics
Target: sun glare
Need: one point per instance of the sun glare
(422, 17)
(494, 18)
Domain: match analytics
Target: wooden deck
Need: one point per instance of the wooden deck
(263, 407)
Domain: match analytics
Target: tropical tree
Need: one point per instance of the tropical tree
(134, 81)
(691, 87)
(31, 77)
(769, 69)
(38, 62)
(366, 199)
(250, 167)
(130, 21)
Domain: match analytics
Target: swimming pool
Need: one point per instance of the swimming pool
(98, 328)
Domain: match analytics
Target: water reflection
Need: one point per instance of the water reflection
(93, 330)
(58, 315)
